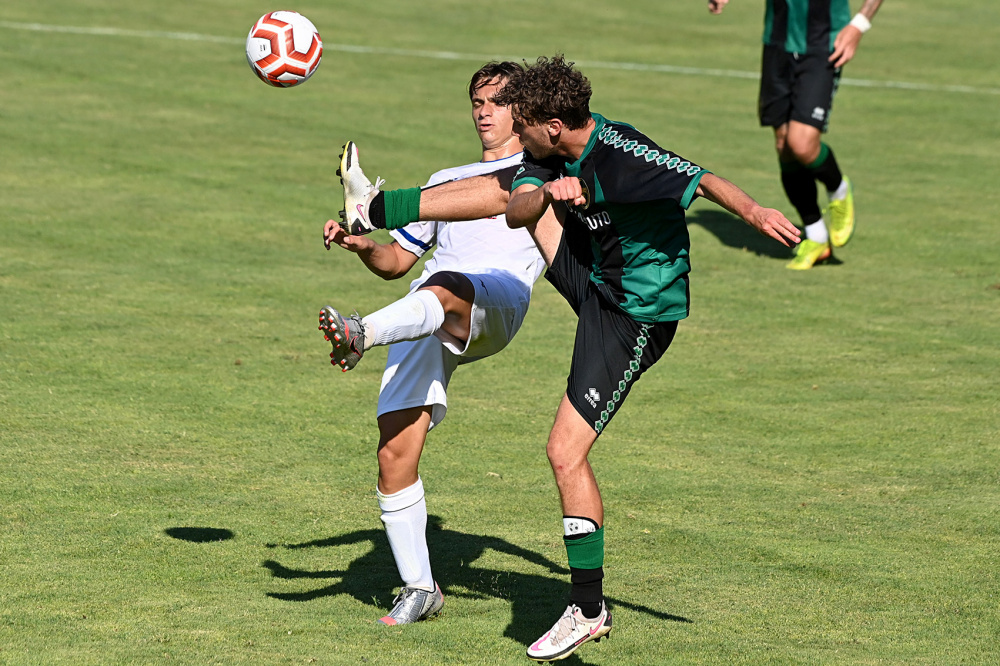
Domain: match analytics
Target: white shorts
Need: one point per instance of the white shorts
(418, 371)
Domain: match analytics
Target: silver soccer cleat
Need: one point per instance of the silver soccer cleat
(413, 604)
(346, 335)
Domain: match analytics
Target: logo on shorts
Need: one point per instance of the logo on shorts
(593, 397)
(819, 113)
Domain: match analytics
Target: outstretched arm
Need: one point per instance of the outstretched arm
(767, 221)
(850, 36)
(470, 198)
(388, 261)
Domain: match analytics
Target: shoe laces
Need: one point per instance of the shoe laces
(379, 182)
(566, 625)
(403, 594)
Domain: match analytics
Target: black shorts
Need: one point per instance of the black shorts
(796, 86)
(611, 350)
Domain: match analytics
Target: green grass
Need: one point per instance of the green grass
(810, 475)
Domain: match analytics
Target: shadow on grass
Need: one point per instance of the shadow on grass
(734, 232)
(199, 534)
(536, 600)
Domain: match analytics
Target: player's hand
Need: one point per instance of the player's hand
(716, 6)
(334, 234)
(845, 45)
(770, 222)
(566, 189)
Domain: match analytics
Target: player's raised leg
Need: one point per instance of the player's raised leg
(359, 192)
(367, 207)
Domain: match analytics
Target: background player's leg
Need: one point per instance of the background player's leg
(798, 145)
(793, 145)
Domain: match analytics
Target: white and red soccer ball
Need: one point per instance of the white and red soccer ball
(284, 49)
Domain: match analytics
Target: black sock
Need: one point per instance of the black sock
(588, 590)
(376, 211)
(825, 169)
(800, 186)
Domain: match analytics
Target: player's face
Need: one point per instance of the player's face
(535, 138)
(493, 123)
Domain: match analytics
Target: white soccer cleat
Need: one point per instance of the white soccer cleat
(570, 632)
(358, 193)
(413, 604)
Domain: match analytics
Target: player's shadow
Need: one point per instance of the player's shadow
(536, 600)
(734, 232)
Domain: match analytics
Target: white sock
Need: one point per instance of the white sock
(412, 317)
(817, 231)
(404, 515)
(839, 193)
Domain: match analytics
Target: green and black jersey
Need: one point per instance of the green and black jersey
(638, 193)
(805, 26)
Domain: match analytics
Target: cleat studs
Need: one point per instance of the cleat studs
(337, 338)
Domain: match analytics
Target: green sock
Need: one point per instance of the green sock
(586, 552)
(401, 207)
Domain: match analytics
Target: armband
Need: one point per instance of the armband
(861, 22)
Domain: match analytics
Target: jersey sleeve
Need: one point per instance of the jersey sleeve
(416, 237)
(420, 237)
(533, 172)
(645, 172)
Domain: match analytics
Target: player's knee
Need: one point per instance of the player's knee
(564, 456)
(805, 148)
(388, 456)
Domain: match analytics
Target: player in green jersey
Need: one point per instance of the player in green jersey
(622, 264)
(806, 43)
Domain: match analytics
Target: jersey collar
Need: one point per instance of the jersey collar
(599, 122)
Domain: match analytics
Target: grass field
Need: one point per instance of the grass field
(811, 475)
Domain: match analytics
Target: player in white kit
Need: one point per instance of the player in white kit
(467, 304)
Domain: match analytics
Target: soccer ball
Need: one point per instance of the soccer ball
(284, 49)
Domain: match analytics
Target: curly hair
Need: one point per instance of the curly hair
(490, 72)
(550, 88)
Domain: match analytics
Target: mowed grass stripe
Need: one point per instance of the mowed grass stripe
(472, 57)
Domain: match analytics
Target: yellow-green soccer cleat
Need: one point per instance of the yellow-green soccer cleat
(841, 215)
(808, 254)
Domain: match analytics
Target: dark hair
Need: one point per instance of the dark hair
(490, 72)
(550, 88)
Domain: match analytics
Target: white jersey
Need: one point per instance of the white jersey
(478, 246)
